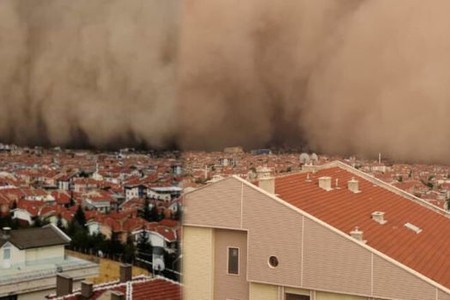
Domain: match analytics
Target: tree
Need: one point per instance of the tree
(129, 250)
(80, 218)
(144, 247)
(146, 211)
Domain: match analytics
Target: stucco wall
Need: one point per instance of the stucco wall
(198, 263)
(54, 252)
(263, 292)
(331, 296)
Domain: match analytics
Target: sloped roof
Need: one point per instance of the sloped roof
(143, 289)
(36, 237)
(426, 252)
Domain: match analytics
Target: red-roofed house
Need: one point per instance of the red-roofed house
(137, 288)
(335, 233)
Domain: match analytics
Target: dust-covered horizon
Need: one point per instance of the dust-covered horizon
(347, 77)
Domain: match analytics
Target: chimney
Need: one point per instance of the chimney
(265, 180)
(125, 272)
(353, 185)
(325, 183)
(357, 234)
(6, 233)
(63, 285)
(115, 295)
(378, 216)
(87, 289)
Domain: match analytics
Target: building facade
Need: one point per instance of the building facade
(313, 235)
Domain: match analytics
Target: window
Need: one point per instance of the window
(273, 261)
(296, 297)
(233, 260)
(6, 253)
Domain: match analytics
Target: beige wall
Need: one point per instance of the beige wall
(198, 263)
(223, 281)
(331, 296)
(17, 256)
(263, 292)
(56, 252)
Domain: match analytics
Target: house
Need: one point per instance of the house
(135, 191)
(127, 287)
(31, 258)
(100, 201)
(335, 233)
(164, 193)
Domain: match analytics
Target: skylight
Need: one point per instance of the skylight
(413, 228)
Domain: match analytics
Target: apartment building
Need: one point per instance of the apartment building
(331, 232)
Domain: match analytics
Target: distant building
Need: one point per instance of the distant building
(137, 288)
(336, 233)
(31, 258)
(233, 150)
(261, 151)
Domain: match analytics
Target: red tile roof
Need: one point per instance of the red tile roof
(144, 288)
(427, 252)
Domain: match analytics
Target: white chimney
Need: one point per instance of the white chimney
(353, 185)
(265, 180)
(325, 183)
(357, 234)
(378, 216)
(6, 233)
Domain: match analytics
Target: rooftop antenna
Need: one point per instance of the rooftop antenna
(379, 158)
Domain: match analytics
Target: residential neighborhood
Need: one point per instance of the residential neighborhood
(127, 206)
(121, 205)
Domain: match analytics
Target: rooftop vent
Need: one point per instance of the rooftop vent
(378, 216)
(413, 228)
(325, 183)
(357, 234)
(265, 180)
(6, 233)
(353, 185)
(308, 178)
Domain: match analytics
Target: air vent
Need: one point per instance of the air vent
(357, 234)
(325, 183)
(413, 228)
(353, 185)
(378, 216)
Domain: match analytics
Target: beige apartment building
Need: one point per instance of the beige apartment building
(328, 233)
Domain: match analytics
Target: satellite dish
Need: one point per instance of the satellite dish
(304, 158)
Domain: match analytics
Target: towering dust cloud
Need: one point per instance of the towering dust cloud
(343, 76)
(88, 73)
(347, 76)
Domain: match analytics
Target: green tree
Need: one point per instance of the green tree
(144, 247)
(80, 218)
(129, 250)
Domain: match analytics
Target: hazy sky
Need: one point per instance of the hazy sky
(347, 76)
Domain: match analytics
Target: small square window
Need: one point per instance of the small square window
(233, 260)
